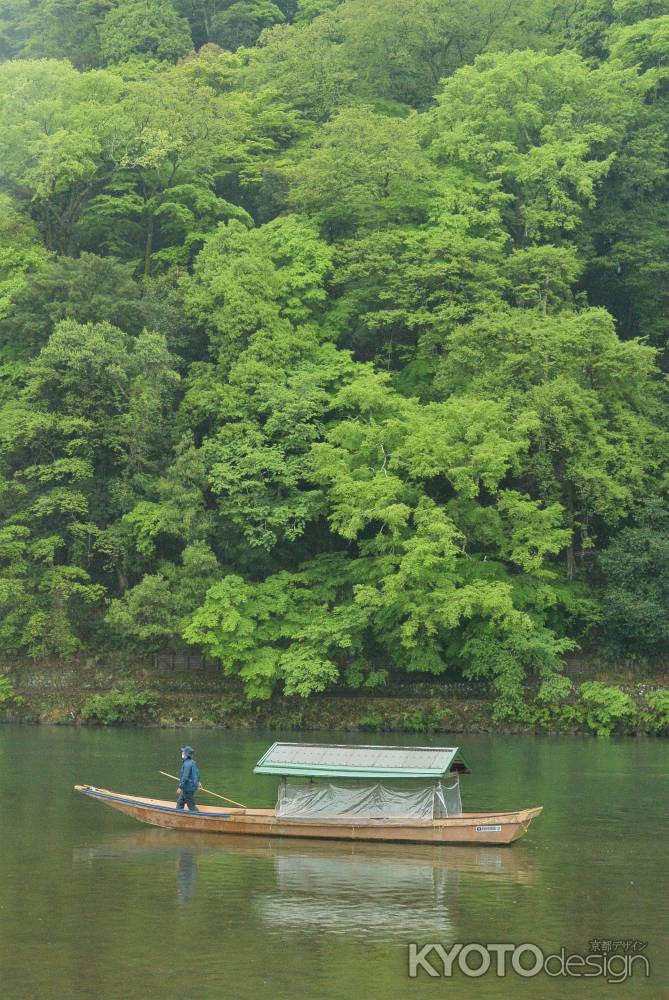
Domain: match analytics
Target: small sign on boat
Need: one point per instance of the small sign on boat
(495, 828)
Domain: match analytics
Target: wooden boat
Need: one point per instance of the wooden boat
(468, 828)
(335, 792)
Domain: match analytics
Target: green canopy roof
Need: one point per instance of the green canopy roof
(335, 760)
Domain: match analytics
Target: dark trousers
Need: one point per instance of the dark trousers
(186, 799)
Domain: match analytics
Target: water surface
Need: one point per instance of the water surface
(94, 905)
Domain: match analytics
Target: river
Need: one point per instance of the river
(94, 905)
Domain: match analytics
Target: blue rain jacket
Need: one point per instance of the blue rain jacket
(189, 778)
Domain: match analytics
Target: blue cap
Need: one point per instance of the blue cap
(188, 750)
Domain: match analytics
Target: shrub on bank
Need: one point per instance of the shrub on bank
(8, 697)
(607, 708)
(118, 706)
(595, 707)
(656, 715)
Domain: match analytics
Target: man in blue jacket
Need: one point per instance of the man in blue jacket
(189, 780)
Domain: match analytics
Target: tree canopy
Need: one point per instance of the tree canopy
(333, 335)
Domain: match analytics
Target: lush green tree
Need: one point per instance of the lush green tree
(86, 289)
(56, 129)
(153, 612)
(400, 50)
(394, 53)
(258, 293)
(199, 14)
(246, 280)
(627, 267)
(21, 254)
(304, 65)
(146, 616)
(270, 411)
(645, 45)
(415, 588)
(247, 626)
(159, 197)
(364, 171)
(240, 23)
(400, 290)
(144, 28)
(545, 127)
(635, 599)
(136, 168)
(53, 29)
(307, 10)
(600, 434)
(85, 433)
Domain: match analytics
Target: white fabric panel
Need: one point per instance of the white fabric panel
(447, 800)
(368, 799)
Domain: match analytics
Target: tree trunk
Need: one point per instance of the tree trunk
(571, 556)
(148, 248)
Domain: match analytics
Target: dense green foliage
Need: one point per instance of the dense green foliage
(636, 599)
(120, 705)
(332, 335)
(8, 697)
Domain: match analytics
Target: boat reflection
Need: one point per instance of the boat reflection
(337, 886)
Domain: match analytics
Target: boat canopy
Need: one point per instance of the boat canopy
(334, 781)
(336, 760)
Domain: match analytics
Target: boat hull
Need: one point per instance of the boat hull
(467, 828)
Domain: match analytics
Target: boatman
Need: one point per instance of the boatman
(189, 780)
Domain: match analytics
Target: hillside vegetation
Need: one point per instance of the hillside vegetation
(333, 335)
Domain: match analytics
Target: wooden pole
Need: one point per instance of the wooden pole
(209, 792)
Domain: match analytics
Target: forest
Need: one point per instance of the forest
(333, 336)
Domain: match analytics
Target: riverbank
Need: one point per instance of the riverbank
(175, 695)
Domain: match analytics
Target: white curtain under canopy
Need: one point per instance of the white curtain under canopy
(359, 798)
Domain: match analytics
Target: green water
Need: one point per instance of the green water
(94, 905)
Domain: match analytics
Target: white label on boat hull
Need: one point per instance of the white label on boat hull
(489, 829)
